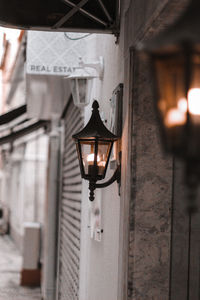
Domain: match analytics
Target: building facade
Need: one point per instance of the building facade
(148, 248)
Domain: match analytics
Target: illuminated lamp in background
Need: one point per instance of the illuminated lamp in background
(174, 57)
(94, 145)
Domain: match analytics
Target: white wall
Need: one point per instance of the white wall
(99, 260)
(28, 173)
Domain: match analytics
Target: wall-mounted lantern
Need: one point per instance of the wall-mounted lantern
(175, 66)
(81, 81)
(81, 85)
(94, 144)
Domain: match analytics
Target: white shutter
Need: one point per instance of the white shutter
(70, 211)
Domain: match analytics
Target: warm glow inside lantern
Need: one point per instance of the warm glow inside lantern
(175, 67)
(177, 79)
(175, 58)
(94, 157)
(94, 144)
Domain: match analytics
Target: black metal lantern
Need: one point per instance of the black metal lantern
(175, 65)
(94, 144)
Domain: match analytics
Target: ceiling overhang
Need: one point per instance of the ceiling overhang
(61, 15)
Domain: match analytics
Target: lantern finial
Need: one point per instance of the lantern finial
(95, 105)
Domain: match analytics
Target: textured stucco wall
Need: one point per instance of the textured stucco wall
(99, 260)
(28, 186)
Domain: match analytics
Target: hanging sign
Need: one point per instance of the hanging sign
(54, 53)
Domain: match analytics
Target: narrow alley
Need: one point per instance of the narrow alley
(100, 150)
(10, 266)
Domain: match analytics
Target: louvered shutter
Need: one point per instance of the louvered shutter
(70, 211)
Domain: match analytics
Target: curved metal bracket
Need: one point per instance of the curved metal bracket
(97, 65)
(116, 177)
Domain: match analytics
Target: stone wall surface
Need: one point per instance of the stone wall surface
(185, 242)
(150, 214)
(179, 239)
(156, 241)
(145, 18)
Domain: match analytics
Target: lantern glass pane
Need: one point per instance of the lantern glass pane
(193, 99)
(73, 85)
(91, 167)
(103, 154)
(79, 91)
(194, 89)
(88, 157)
(171, 98)
(82, 83)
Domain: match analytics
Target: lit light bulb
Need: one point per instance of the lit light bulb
(182, 105)
(194, 101)
(100, 164)
(175, 117)
(90, 157)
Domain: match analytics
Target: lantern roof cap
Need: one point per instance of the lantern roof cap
(95, 127)
(185, 31)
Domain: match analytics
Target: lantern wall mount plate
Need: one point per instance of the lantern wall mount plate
(94, 145)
